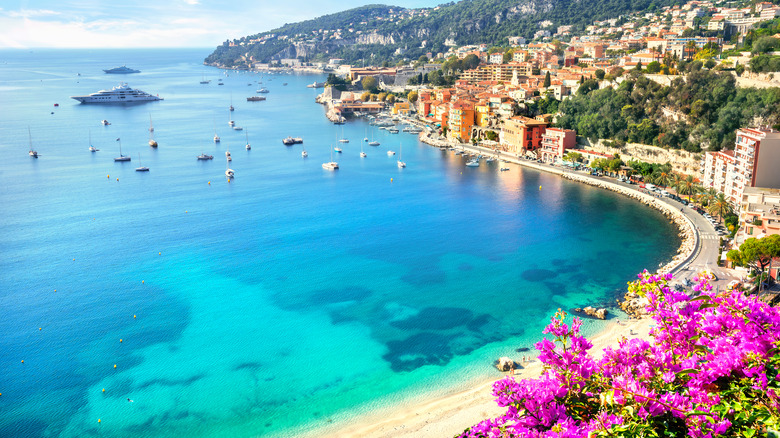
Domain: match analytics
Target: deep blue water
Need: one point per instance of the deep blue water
(290, 299)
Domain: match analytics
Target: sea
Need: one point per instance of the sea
(289, 300)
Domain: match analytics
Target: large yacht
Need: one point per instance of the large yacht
(121, 70)
(119, 94)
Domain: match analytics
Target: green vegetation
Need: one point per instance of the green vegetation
(468, 22)
(756, 253)
(711, 106)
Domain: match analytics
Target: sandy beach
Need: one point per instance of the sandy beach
(450, 415)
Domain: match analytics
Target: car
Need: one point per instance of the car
(683, 202)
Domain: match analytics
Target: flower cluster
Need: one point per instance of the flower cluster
(712, 369)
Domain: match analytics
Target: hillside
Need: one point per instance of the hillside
(377, 33)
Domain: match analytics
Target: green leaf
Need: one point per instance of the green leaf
(749, 433)
(688, 371)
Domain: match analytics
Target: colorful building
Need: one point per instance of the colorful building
(555, 142)
(521, 134)
(461, 118)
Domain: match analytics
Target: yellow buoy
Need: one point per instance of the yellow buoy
(55, 290)
(209, 182)
(98, 420)
(22, 360)
(74, 260)
(114, 365)
(108, 176)
(40, 328)
(104, 389)
(117, 180)
(142, 281)
(120, 340)
(391, 179)
(159, 253)
(540, 187)
(133, 316)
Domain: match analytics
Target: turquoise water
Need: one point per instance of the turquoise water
(288, 300)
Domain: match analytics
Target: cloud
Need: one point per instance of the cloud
(30, 13)
(192, 2)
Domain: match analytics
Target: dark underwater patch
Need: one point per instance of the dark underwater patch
(538, 274)
(436, 318)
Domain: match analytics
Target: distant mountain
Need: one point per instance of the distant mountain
(376, 33)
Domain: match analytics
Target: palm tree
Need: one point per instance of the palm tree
(661, 178)
(720, 205)
(688, 185)
(707, 196)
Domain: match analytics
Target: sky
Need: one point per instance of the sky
(157, 23)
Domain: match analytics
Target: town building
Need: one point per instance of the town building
(555, 143)
(759, 214)
(521, 134)
(753, 163)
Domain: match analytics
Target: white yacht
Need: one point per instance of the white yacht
(122, 70)
(401, 162)
(229, 173)
(120, 94)
(390, 153)
(33, 153)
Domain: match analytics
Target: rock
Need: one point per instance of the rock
(595, 313)
(505, 364)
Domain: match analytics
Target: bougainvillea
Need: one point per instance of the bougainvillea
(710, 370)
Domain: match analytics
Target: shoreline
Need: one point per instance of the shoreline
(450, 415)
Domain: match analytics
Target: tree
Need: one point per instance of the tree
(382, 96)
(491, 135)
(720, 205)
(600, 74)
(572, 157)
(757, 253)
(369, 83)
(365, 96)
(654, 67)
(638, 66)
(412, 97)
(390, 98)
(547, 80)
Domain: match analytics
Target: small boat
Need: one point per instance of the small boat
(33, 153)
(331, 165)
(229, 173)
(152, 141)
(401, 163)
(284, 83)
(362, 154)
(121, 157)
(255, 99)
(248, 146)
(92, 148)
(203, 156)
(227, 154)
(392, 130)
(238, 128)
(338, 150)
(289, 141)
(373, 143)
(504, 169)
(262, 90)
(390, 153)
(344, 140)
(105, 122)
(304, 154)
(142, 168)
(203, 80)
(216, 137)
(473, 163)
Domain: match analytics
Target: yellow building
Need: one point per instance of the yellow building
(461, 119)
(403, 108)
(482, 115)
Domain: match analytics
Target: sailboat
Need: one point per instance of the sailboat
(216, 137)
(92, 148)
(332, 165)
(152, 141)
(304, 154)
(401, 163)
(203, 80)
(227, 154)
(248, 146)
(229, 173)
(230, 120)
(33, 153)
(231, 102)
(362, 154)
(373, 142)
(366, 137)
(343, 140)
(142, 168)
(121, 157)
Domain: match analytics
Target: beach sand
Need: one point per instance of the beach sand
(450, 415)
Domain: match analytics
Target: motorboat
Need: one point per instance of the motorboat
(338, 150)
(255, 99)
(473, 163)
(122, 93)
(205, 157)
(390, 153)
(122, 70)
(105, 122)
